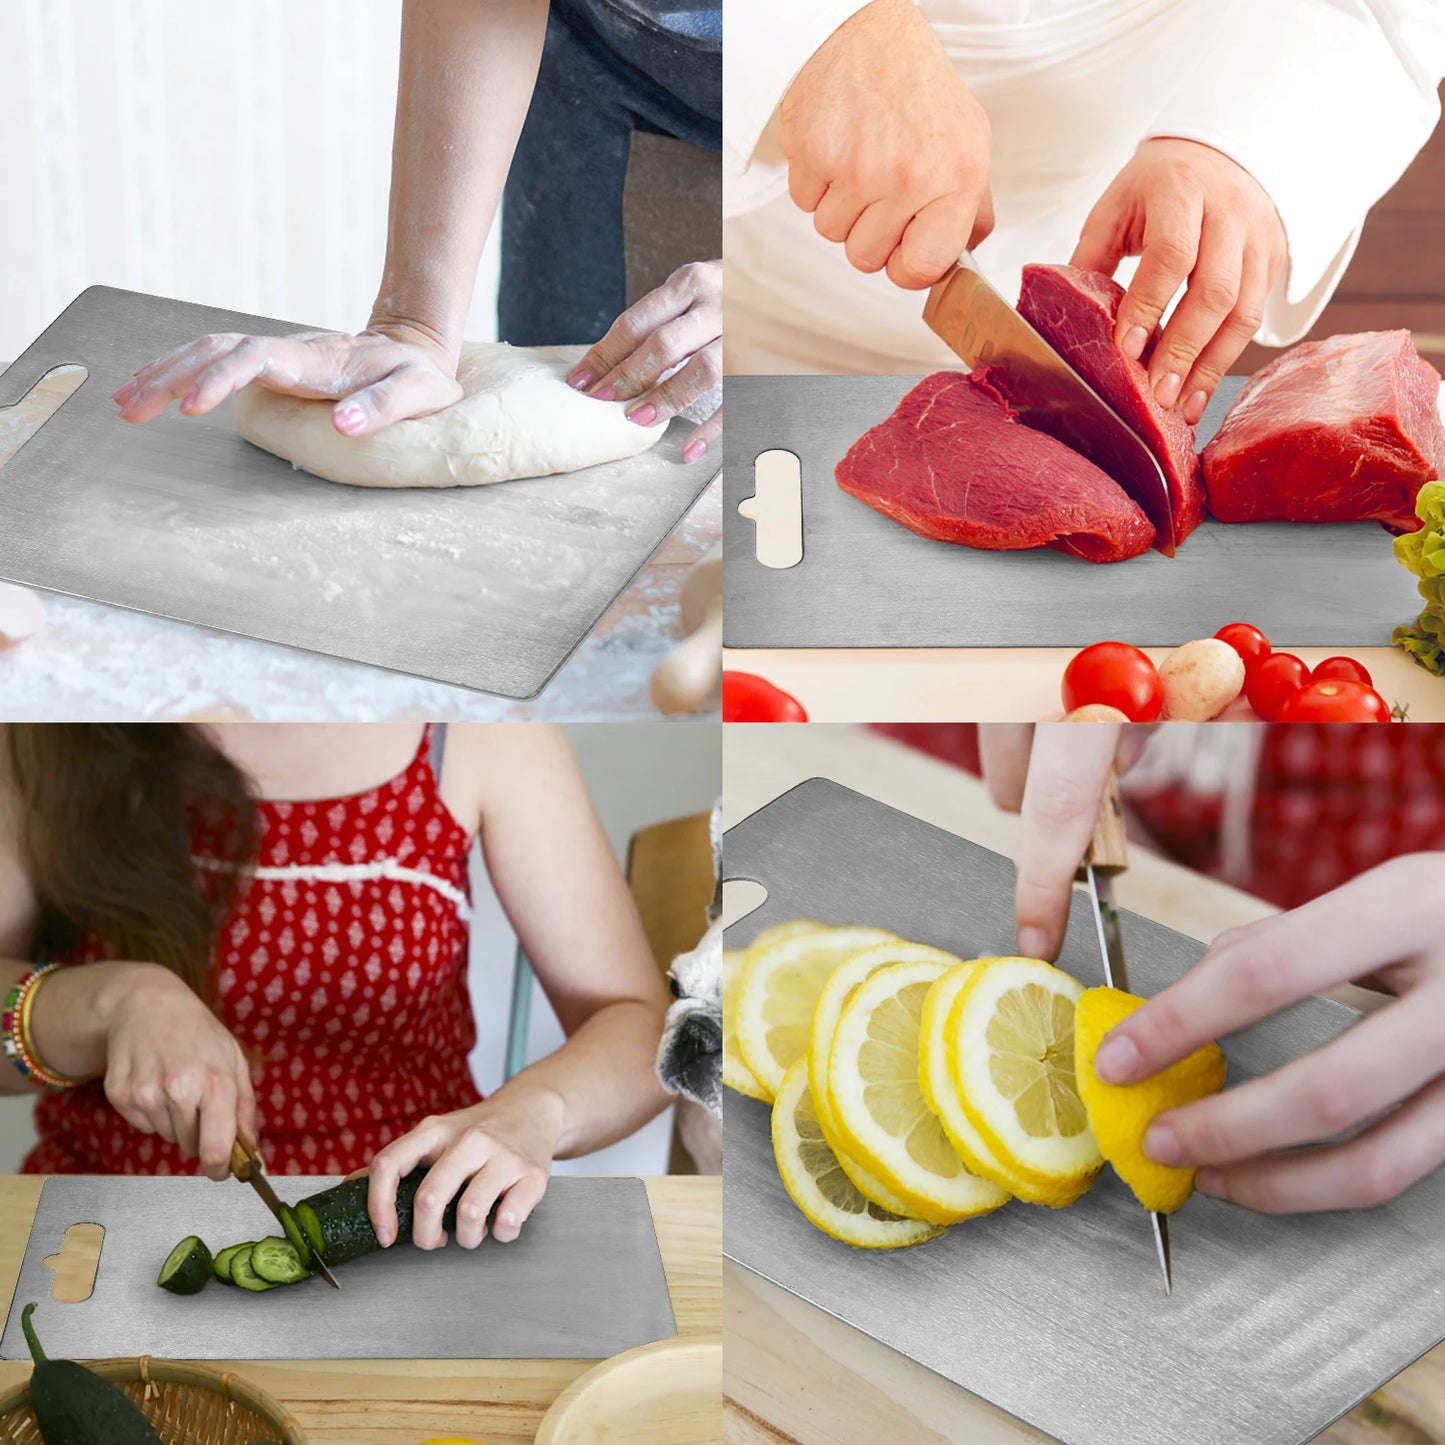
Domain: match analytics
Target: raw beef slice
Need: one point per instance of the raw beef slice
(1341, 430)
(952, 463)
(1075, 312)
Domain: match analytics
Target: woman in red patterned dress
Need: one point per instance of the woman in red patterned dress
(263, 929)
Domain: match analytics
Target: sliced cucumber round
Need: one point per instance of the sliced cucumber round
(223, 1260)
(188, 1268)
(293, 1233)
(276, 1261)
(243, 1275)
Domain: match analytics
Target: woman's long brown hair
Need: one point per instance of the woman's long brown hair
(104, 813)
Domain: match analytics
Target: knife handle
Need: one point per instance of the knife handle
(1109, 847)
(241, 1162)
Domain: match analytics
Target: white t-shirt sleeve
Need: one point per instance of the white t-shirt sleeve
(1325, 103)
(765, 44)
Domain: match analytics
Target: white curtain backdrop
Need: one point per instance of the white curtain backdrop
(232, 154)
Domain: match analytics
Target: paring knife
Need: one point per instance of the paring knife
(1108, 855)
(984, 330)
(247, 1167)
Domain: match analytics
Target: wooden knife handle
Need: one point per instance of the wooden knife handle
(1109, 847)
(241, 1162)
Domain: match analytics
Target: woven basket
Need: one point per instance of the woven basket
(186, 1405)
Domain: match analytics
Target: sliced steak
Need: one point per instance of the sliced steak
(1341, 430)
(1075, 312)
(953, 463)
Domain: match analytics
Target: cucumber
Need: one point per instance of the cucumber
(338, 1227)
(294, 1234)
(276, 1261)
(74, 1407)
(243, 1275)
(189, 1267)
(222, 1263)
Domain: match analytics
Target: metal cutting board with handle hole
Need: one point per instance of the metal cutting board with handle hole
(489, 587)
(866, 581)
(584, 1280)
(1277, 1325)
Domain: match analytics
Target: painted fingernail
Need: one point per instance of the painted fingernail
(1167, 392)
(1117, 1059)
(693, 450)
(349, 419)
(1161, 1145)
(606, 394)
(581, 380)
(1133, 343)
(1194, 407)
(123, 394)
(644, 415)
(1210, 1181)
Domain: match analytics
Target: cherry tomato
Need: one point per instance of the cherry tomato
(1115, 675)
(1249, 642)
(1272, 682)
(1336, 699)
(750, 698)
(1342, 667)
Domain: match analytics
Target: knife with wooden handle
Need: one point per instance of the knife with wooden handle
(247, 1167)
(1107, 857)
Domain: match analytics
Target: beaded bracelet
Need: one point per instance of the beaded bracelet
(15, 1029)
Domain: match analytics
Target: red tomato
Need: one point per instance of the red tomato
(1272, 682)
(1336, 699)
(1342, 667)
(1116, 675)
(1249, 642)
(750, 698)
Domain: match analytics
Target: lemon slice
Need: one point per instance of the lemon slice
(736, 1074)
(1119, 1114)
(841, 982)
(811, 1175)
(782, 978)
(1009, 1041)
(882, 1117)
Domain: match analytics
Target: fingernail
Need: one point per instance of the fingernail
(1032, 941)
(188, 401)
(581, 380)
(693, 450)
(1161, 1146)
(644, 415)
(1167, 392)
(1210, 1181)
(1133, 343)
(606, 394)
(349, 419)
(123, 394)
(1194, 407)
(384, 1237)
(1117, 1059)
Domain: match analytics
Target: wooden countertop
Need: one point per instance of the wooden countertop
(794, 1374)
(401, 1402)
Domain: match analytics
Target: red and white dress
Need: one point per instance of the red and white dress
(342, 972)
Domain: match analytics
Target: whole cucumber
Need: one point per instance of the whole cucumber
(338, 1227)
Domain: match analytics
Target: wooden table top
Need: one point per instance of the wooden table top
(794, 1374)
(401, 1402)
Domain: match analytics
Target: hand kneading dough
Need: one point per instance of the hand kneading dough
(518, 418)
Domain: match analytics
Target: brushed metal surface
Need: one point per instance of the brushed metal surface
(865, 581)
(583, 1281)
(490, 588)
(983, 329)
(1276, 1325)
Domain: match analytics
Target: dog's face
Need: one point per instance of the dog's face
(689, 1062)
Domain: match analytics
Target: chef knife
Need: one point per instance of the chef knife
(984, 330)
(1108, 855)
(247, 1167)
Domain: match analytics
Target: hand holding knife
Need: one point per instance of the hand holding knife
(247, 1167)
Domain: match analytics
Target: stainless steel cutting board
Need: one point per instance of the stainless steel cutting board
(487, 587)
(583, 1281)
(866, 581)
(1276, 1325)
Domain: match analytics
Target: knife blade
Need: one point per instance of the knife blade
(247, 1167)
(1107, 857)
(983, 329)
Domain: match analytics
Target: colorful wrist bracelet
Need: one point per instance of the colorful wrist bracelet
(15, 1027)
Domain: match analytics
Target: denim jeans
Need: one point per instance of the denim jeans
(610, 68)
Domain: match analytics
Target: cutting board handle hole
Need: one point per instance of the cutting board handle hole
(22, 419)
(741, 897)
(776, 509)
(75, 1267)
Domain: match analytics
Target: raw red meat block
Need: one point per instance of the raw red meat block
(1075, 312)
(1340, 430)
(952, 463)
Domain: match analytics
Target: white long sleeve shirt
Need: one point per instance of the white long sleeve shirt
(1324, 102)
